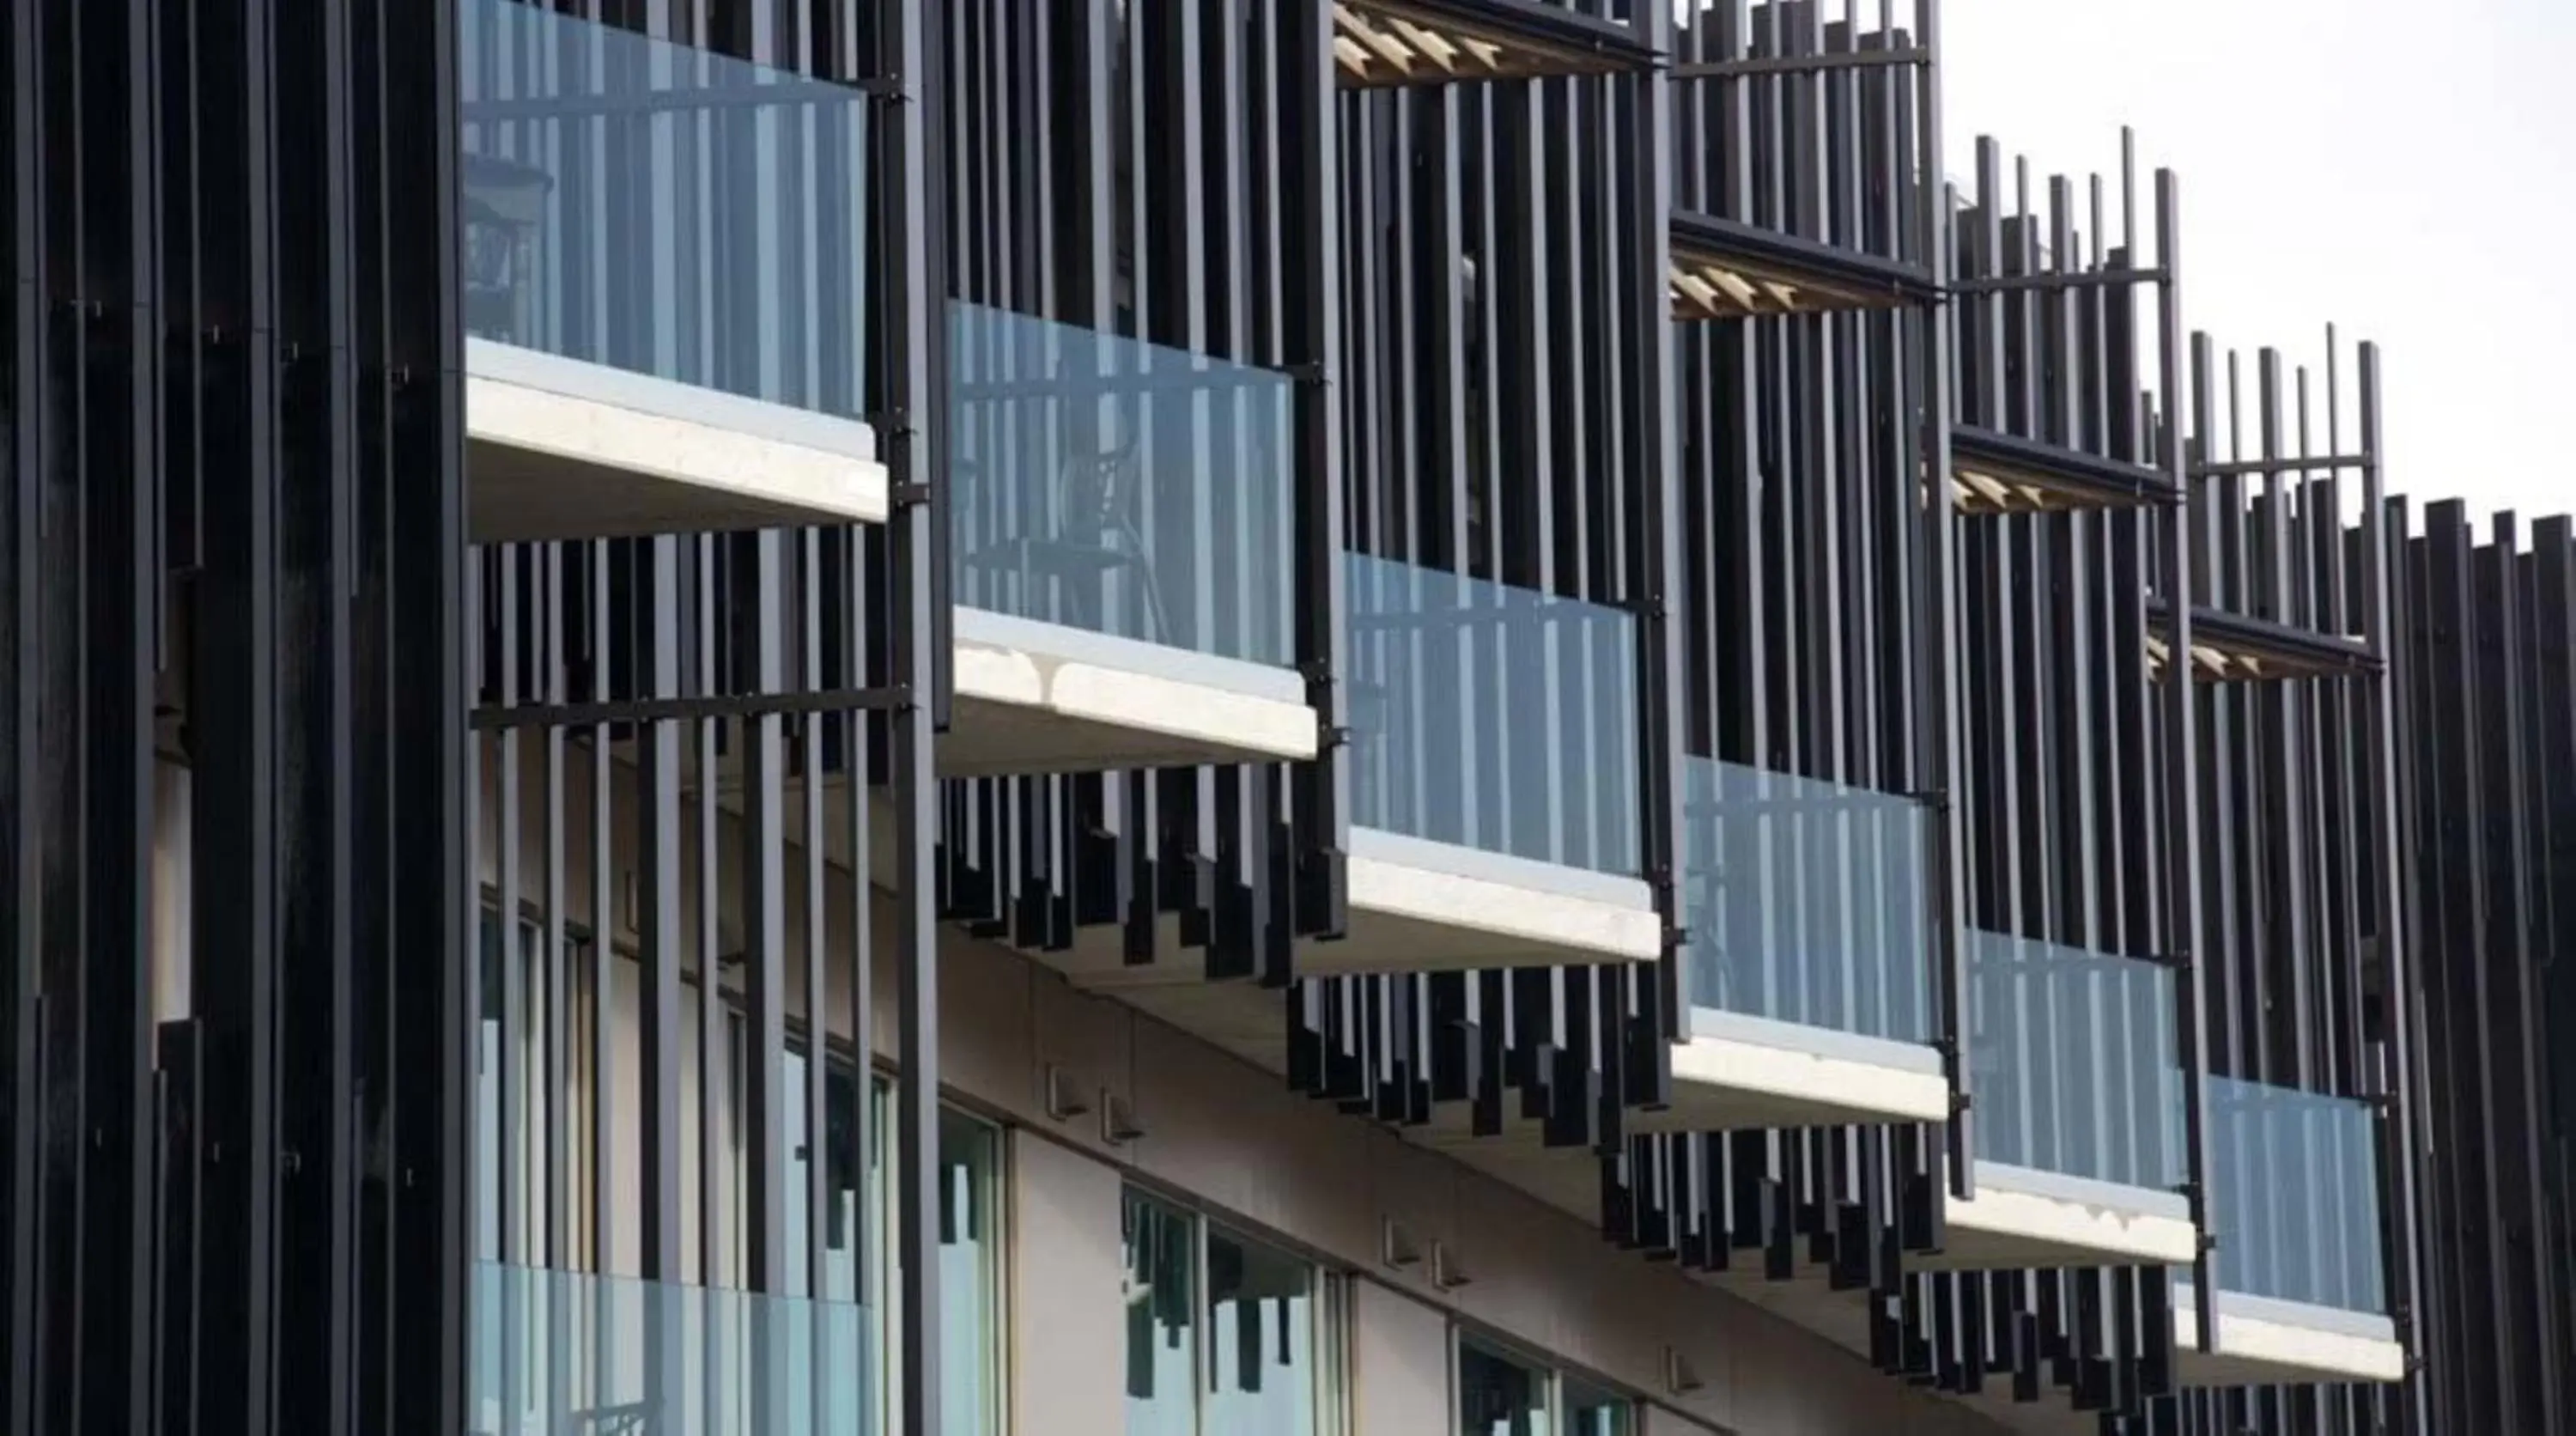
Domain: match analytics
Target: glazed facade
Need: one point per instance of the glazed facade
(1315, 717)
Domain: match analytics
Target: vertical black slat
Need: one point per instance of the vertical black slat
(756, 604)
(861, 949)
(180, 1174)
(2181, 817)
(432, 902)
(59, 310)
(1313, 350)
(656, 576)
(2457, 1007)
(2512, 1034)
(371, 719)
(607, 920)
(508, 824)
(555, 1002)
(2289, 1020)
(911, 137)
(316, 511)
(2383, 532)
(2196, 527)
(117, 647)
(1939, 759)
(22, 435)
(1656, 1004)
(237, 722)
(813, 979)
(703, 861)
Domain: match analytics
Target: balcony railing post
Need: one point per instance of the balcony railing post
(1937, 638)
(2383, 529)
(1656, 1006)
(2182, 824)
(1319, 791)
(912, 158)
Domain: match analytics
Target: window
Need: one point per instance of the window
(1226, 1335)
(970, 1273)
(571, 1336)
(1499, 1395)
(1502, 1394)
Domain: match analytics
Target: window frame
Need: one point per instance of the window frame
(1329, 1338)
(1556, 1374)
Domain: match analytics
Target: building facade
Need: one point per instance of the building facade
(1308, 717)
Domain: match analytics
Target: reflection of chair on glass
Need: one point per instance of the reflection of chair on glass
(1096, 538)
(504, 203)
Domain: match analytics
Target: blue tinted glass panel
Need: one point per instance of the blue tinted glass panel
(660, 208)
(1121, 487)
(1804, 901)
(2296, 1183)
(2074, 1061)
(570, 1354)
(1492, 717)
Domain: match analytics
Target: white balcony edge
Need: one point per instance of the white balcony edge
(2292, 1341)
(734, 462)
(2091, 1222)
(1855, 1078)
(1538, 905)
(1209, 708)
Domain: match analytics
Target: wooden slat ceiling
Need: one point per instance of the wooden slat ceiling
(1711, 287)
(2220, 661)
(1381, 43)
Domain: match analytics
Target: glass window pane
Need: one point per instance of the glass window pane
(1261, 1378)
(970, 1268)
(969, 1272)
(1122, 487)
(1591, 1411)
(1162, 1311)
(1498, 1395)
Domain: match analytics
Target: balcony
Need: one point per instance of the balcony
(661, 290)
(2301, 1295)
(1809, 976)
(1121, 537)
(1494, 788)
(2076, 1067)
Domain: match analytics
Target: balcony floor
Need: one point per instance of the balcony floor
(561, 448)
(1036, 697)
(1738, 1072)
(2026, 1219)
(1420, 906)
(2263, 1342)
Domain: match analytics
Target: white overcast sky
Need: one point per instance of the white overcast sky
(2404, 168)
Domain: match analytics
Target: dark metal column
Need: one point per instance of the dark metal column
(2392, 1083)
(2181, 816)
(1312, 317)
(1655, 997)
(912, 155)
(1938, 764)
